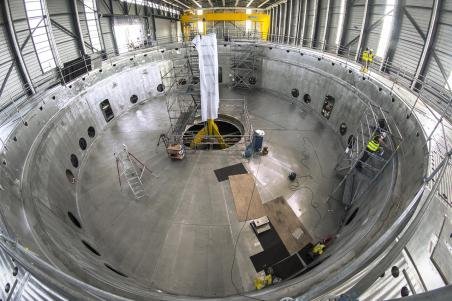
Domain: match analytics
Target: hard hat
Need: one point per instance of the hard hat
(371, 50)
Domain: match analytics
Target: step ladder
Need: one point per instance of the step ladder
(126, 166)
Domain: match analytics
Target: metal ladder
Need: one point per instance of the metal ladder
(130, 172)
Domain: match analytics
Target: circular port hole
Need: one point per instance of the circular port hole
(89, 247)
(133, 98)
(91, 132)
(74, 160)
(82, 143)
(115, 270)
(352, 216)
(70, 176)
(74, 220)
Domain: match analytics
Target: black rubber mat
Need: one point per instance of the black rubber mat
(269, 238)
(306, 253)
(274, 250)
(269, 257)
(236, 169)
(288, 267)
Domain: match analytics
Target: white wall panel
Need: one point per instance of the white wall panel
(353, 24)
(442, 47)
(67, 46)
(12, 84)
(107, 32)
(163, 29)
(410, 43)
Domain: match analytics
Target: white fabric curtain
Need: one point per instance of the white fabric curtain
(208, 69)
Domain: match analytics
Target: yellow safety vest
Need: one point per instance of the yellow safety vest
(373, 146)
(371, 57)
(365, 56)
(318, 249)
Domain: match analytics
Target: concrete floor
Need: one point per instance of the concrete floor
(181, 238)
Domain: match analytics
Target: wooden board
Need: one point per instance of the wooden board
(286, 223)
(243, 187)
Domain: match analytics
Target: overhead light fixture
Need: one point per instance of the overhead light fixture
(263, 3)
(199, 12)
(224, 3)
(249, 3)
(177, 1)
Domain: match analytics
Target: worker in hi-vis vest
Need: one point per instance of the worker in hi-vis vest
(373, 146)
(366, 58)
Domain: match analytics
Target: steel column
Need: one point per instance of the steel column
(363, 28)
(297, 20)
(426, 51)
(279, 22)
(275, 27)
(395, 33)
(315, 22)
(303, 30)
(327, 23)
(284, 23)
(342, 26)
(9, 27)
(112, 27)
(77, 26)
(290, 21)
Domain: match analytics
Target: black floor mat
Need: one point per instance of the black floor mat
(274, 250)
(306, 254)
(288, 267)
(269, 238)
(223, 173)
(269, 257)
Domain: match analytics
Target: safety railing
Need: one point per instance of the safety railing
(427, 92)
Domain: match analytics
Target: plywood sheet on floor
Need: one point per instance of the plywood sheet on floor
(244, 189)
(287, 224)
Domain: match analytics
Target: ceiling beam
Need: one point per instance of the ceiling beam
(263, 3)
(197, 3)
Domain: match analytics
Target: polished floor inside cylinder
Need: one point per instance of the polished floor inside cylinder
(184, 236)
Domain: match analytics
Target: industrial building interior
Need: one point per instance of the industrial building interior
(225, 150)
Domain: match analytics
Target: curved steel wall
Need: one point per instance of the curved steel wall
(49, 134)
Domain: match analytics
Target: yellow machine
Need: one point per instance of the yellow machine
(263, 19)
(209, 132)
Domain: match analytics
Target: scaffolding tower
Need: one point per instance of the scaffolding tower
(183, 95)
(244, 62)
(374, 121)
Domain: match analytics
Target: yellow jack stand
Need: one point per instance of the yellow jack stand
(209, 131)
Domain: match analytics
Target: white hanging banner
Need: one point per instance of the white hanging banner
(208, 70)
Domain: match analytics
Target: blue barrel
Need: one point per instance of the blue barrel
(258, 140)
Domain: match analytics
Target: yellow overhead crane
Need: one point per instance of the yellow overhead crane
(262, 19)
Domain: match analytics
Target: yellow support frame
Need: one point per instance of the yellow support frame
(209, 131)
(264, 19)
